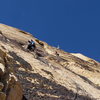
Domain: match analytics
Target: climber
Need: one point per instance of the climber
(31, 45)
(56, 53)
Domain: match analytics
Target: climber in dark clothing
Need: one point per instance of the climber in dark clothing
(31, 45)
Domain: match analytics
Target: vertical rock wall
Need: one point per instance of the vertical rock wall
(10, 88)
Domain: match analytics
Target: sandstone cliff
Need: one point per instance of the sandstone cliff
(47, 73)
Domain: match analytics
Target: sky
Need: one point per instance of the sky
(74, 25)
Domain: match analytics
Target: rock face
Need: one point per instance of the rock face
(10, 88)
(47, 73)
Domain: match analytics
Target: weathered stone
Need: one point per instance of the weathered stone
(12, 86)
(2, 69)
(2, 56)
(52, 75)
(1, 86)
(2, 96)
(2, 62)
(15, 87)
(15, 92)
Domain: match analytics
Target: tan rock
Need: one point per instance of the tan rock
(2, 62)
(12, 86)
(66, 76)
(2, 69)
(15, 87)
(15, 92)
(1, 86)
(2, 96)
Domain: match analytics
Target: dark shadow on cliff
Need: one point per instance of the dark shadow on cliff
(85, 79)
(22, 62)
(49, 89)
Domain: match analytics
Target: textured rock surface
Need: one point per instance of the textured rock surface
(45, 74)
(2, 96)
(10, 88)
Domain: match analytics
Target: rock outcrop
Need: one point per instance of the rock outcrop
(10, 88)
(47, 73)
